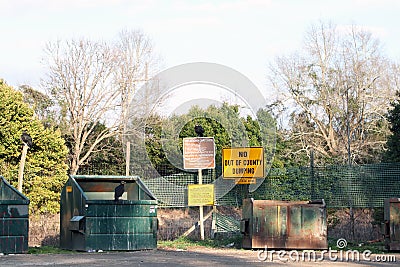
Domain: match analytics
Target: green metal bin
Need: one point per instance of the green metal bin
(284, 224)
(14, 219)
(90, 218)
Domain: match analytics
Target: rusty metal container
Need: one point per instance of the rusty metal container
(14, 219)
(284, 224)
(90, 218)
(392, 223)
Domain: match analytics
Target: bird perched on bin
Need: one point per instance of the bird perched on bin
(199, 130)
(27, 139)
(119, 191)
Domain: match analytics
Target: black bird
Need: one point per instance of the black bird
(119, 190)
(199, 130)
(26, 138)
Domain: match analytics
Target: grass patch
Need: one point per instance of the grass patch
(185, 243)
(48, 250)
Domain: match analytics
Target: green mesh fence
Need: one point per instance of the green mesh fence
(341, 186)
(171, 190)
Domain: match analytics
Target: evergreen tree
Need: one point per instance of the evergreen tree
(45, 168)
(393, 142)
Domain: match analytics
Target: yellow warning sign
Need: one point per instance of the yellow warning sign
(243, 162)
(200, 194)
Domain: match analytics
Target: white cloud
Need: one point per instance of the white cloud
(375, 3)
(377, 32)
(221, 6)
(243, 34)
(12, 7)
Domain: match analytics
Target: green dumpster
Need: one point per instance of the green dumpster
(91, 219)
(14, 219)
(284, 224)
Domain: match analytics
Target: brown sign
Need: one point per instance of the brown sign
(198, 153)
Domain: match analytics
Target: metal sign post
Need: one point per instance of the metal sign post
(199, 153)
(201, 209)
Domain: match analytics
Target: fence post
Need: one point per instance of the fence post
(128, 157)
(312, 174)
(21, 167)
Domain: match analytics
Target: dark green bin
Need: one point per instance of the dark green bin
(90, 218)
(14, 219)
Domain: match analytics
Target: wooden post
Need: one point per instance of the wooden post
(128, 158)
(21, 167)
(214, 222)
(201, 209)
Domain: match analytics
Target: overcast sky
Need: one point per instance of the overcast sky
(243, 35)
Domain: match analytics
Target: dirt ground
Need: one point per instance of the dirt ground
(191, 257)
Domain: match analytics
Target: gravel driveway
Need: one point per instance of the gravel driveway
(166, 257)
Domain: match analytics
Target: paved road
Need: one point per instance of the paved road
(195, 257)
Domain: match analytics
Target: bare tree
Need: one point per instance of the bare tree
(340, 87)
(79, 78)
(136, 63)
(95, 83)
